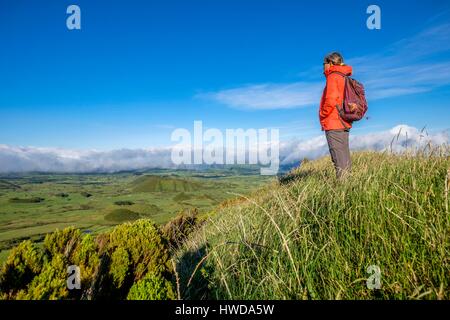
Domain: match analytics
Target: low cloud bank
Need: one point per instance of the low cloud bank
(26, 159)
(33, 159)
(397, 139)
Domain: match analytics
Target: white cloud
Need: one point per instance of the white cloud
(269, 96)
(406, 67)
(27, 159)
(397, 139)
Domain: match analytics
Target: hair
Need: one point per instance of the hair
(334, 58)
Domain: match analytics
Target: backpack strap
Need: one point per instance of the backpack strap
(340, 118)
(337, 107)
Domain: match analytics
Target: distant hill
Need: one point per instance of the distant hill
(181, 197)
(150, 183)
(121, 215)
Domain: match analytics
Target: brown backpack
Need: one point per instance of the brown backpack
(354, 105)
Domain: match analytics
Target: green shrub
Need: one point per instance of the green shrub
(152, 287)
(147, 248)
(120, 267)
(50, 284)
(62, 241)
(86, 257)
(109, 265)
(124, 203)
(22, 265)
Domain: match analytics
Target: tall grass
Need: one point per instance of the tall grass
(310, 236)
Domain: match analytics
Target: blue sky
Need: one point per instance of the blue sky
(139, 69)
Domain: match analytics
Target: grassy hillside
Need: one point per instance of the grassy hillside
(309, 236)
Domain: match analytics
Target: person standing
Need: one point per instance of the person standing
(336, 129)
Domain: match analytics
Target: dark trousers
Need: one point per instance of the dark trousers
(339, 150)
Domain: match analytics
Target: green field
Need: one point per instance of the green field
(32, 205)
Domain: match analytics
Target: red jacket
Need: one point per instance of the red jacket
(333, 95)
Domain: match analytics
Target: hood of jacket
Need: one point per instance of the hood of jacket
(347, 70)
